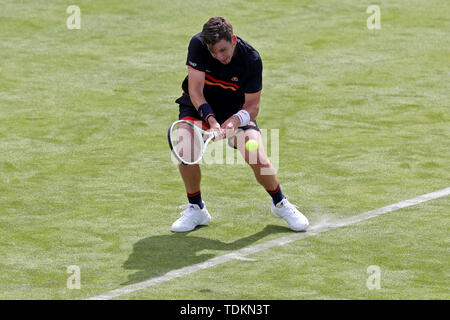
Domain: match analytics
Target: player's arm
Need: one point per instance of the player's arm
(252, 93)
(251, 104)
(196, 80)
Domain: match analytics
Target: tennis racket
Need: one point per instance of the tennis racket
(188, 142)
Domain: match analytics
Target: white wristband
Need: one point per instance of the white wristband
(243, 116)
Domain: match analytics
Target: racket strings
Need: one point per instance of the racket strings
(187, 142)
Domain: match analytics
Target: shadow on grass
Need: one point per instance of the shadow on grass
(157, 255)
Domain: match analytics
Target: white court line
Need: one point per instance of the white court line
(242, 253)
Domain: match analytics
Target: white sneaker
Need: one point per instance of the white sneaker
(191, 217)
(287, 211)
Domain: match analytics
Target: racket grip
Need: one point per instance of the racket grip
(215, 134)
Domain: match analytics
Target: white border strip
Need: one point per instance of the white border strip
(242, 253)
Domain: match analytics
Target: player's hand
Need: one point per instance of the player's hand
(215, 126)
(230, 126)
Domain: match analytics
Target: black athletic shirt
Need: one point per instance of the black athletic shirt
(225, 85)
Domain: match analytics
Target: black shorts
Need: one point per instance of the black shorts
(190, 113)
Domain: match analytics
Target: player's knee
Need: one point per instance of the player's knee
(257, 159)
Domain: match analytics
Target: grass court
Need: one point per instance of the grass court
(86, 177)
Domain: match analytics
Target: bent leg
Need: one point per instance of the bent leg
(266, 176)
(258, 160)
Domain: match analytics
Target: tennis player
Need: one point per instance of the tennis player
(223, 90)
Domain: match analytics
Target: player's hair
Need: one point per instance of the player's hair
(216, 29)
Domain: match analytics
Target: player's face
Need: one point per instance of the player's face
(223, 50)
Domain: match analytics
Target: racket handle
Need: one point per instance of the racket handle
(215, 134)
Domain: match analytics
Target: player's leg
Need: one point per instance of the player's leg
(195, 213)
(262, 167)
(265, 174)
(191, 175)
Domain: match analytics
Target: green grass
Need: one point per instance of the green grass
(331, 265)
(86, 177)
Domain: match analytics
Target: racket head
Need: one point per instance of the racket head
(187, 141)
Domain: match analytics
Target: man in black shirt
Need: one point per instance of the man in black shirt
(223, 90)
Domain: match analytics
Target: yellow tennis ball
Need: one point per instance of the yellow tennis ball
(251, 145)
